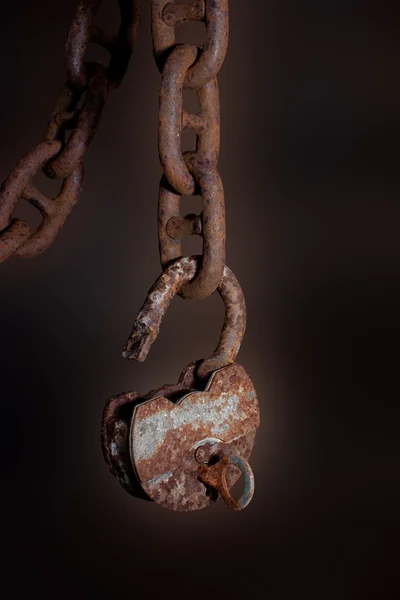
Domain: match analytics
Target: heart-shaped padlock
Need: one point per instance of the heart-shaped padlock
(185, 445)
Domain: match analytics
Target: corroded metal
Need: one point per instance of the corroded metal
(88, 85)
(84, 30)
(170, 119)
(212, 56)
(147, 325)
(200, 435)
(176, 14)
(199, 171)
(189, 173)
(117, 416)
(215, 475)
(86, 124)
(54, 212)
(13, 187)
(212, 261)
(79, 36)
(184, 446)
(177, 227)
(13, 237)
(165, 438)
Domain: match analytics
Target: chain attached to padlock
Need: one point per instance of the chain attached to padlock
(186, 445)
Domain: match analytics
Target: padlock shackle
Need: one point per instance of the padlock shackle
(147, 325)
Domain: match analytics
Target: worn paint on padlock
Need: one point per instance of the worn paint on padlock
(116, 422)
(165, 436)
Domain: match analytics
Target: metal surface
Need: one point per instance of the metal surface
(188, 443)
(189, 173)
(88, 84)
(85, 30)
(183, 445)
(117, 416)
(212, 55)
(215, 475)
(147, 325)
(166, 436)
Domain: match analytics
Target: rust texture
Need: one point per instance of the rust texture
(147, 325)
(189, 173)
(85, 30)
(114, 437)
(88, 85)
(18, 238)
(177, 227)
(212, 56)
(215, 475)
(87, 122)
(170, 119)
(116, 422)
(166, 437)
(176, 14)
(200, 469)
(189, 443)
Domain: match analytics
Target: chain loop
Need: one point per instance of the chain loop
(190, 172)
(13, 237)
(87, 84)
(84, 31)
(165, 16)
(171, 119)
(54, 212)
(86, 122)
(148, 321)
(213, 231)
(13, 188)
(176, 14)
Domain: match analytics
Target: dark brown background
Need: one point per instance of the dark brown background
(310, 100)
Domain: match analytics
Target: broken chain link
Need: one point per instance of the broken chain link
(88, 85)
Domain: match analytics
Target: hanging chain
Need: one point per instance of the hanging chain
(190, 173)
(182, 461)
(77, 110)
(186, 66)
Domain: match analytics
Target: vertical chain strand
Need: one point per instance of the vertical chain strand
(190, 173)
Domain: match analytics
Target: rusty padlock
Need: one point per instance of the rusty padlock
(185, 445)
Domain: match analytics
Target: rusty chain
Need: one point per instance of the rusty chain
(186, 66)
(88, 85)
(174, 445)
(190, 173)
(78, 109)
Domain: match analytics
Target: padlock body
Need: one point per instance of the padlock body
(155, 444)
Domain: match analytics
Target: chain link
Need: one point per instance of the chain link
(78, 110)
(87, 84)
(190, 173)
(166, 16)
